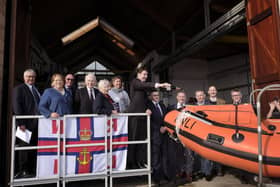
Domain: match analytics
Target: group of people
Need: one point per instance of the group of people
(187, 164)
(63, 98)
(169, 158)
(60, 99)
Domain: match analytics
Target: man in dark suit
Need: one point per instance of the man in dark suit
(25, 102)
(70, 85)
(85, 97)
(183, 155)
(158, 110)
(205, 166)
(137, 128)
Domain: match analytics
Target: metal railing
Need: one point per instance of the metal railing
(85, 176)
(260, 155)
(252, 98)
(63, 177)
(30, 181)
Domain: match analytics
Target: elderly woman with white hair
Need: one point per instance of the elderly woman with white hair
(104, 103)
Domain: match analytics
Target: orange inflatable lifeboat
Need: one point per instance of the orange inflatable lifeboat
(228, 134)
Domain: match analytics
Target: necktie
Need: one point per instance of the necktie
(70, 90)
(90, 94)
(159, 109)
(35, 95)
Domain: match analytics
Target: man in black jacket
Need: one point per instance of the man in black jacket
(25, 102)
(70, 86)
(85, 97)
(183, 155)
(158, 110)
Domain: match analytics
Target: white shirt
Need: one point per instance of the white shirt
(179, 105)
(92, 92)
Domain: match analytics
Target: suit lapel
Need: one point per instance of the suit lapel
(28, 91)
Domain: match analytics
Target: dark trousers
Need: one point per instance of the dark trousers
(137, 130)
(26, 160)
(157, 151)
(173, 157)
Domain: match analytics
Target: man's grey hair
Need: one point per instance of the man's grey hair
(28, 71)
(90, 75)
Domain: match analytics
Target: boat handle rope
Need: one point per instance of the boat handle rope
(182, 115)
(179, 120)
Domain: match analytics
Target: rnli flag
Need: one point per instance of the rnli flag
(85, 159)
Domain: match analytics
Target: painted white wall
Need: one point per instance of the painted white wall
(195, 74)
(230, 72)
(190, 75)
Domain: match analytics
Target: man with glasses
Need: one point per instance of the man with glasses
(70, 86)
(236, 96)
(244, 176)
(70, 83)
(25, 102)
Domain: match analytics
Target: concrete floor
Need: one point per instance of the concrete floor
(225, 181)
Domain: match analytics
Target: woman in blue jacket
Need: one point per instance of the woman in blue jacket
(56, 101)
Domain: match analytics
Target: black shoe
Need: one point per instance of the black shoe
(197, 176)
(141, 165)
(163, 182)
(18, 175)
(208, 177)
(171, 183)
(181, 181)
(24, 174)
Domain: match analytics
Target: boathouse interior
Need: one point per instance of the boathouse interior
(190, 43)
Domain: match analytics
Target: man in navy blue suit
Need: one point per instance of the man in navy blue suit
(25, 102)
(158, 110)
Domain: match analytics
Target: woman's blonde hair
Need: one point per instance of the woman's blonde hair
(56, 75)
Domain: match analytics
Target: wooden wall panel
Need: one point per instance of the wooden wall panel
(256, 7)
(264, 45)
(263, 42)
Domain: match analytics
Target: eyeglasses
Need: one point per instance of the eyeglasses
(235, 95)
(70, 79)
(155, 95)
